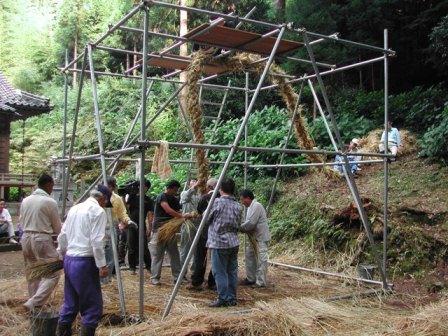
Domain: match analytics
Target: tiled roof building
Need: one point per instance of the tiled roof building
(15, 105)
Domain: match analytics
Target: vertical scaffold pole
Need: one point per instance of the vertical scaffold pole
(347, 172)
(72, 139)
(386, 139)
(64, 132)
(141, 223)
(246, 105)
(99, 132)
(282, 156)
(222, 174)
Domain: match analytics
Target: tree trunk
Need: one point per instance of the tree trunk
(280, 9)
(134, 72)
(183, 51)
(75, 54)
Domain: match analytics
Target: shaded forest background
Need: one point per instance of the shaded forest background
(34, 35)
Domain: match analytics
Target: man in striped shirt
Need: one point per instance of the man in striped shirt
(223, 242)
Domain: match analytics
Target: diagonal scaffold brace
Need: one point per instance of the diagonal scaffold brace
(338, 145)
(222, 175)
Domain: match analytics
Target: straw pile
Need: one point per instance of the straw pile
(161, 164)
(371, 142)
(40, 270)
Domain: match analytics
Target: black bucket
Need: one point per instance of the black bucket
(44, 323)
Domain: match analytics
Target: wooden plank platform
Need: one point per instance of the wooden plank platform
(242, 40)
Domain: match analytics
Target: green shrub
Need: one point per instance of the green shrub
(302, 219)
(434, 143)
(267, 128)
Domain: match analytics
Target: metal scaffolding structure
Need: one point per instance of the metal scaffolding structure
(139, 144)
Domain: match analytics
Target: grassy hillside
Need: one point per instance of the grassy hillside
(312, 215)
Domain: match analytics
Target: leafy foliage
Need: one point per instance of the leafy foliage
(302, 219)
(266, 128)
(435, 141)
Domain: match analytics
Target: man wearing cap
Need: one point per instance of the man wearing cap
(40, 219)
(81, 242)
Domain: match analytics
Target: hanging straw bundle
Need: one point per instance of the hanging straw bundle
(161, 164)
(40, 270)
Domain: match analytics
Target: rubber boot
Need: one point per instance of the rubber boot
(86, 331)
(64, 329)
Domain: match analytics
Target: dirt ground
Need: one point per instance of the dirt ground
(11, 265)
(282, 284)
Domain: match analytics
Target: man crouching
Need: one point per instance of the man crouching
(81, 244)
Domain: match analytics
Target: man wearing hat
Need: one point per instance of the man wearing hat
(81, 243)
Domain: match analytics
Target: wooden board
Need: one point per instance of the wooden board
(175, 62)
(239, 39)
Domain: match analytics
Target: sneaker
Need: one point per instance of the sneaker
(246, 282)
(232, 303)
(155, 283)
(257, 286)
(217, 304)
(13, 241)
(195, 288)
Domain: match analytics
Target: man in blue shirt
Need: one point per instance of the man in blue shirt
(223, 242)
(393, 139)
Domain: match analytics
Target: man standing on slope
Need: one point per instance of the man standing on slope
(81, 242)
(256, 224)
(40, 219)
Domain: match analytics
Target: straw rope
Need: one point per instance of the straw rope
(194, 110)
(238, 63)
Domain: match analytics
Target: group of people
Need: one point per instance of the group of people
(393, 145)
(84, 243)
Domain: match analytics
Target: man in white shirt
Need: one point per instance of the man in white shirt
(6, 224)
(81, 242)
(393, 139)
(256, 223)
(40, 219)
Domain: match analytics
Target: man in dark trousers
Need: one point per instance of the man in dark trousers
(133, 203)
(200, 255)
(225, 218)
(167, 207)
(81, 243)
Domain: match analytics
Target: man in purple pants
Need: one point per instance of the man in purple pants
(81, 242)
